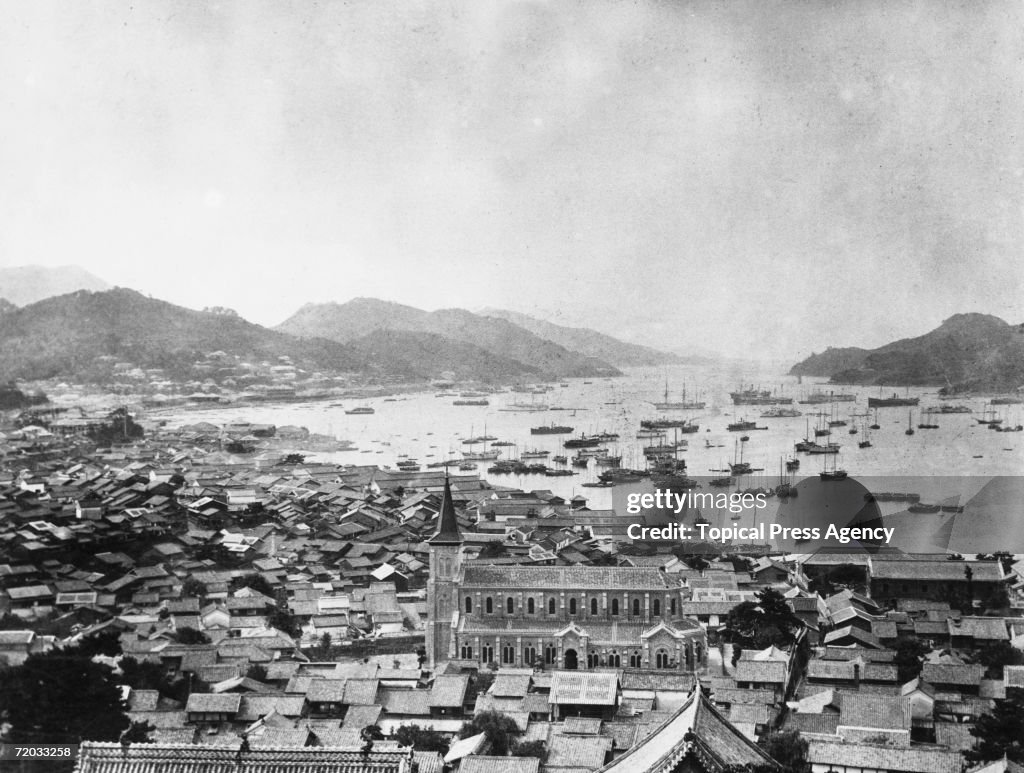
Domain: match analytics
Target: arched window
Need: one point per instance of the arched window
(510, 605)
(508, 654)
(551, 606)
(549, 654)
(489, 605)
(672, 606)
(591, 660)
(487, 654)
(467, 652)
(593, 606)
(636, 607)
(572, 606)
(529, 655)
(661, 659)
(615, 660)
(615, 606)
(530, 606)
(634, 659)
(469, 604)
(656, 608)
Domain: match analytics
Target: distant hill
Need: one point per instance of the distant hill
(966, 352)
(22, 285)
(832, 360)
(588, 342)
(64, 337)
(501, 338)
(429, 356)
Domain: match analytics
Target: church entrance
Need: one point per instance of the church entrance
(571, 660)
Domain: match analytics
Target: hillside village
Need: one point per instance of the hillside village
(284, 604)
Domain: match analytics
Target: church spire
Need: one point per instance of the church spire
(447, 525)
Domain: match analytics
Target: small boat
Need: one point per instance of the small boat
(362, 410)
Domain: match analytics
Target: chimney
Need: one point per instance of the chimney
(856, 675)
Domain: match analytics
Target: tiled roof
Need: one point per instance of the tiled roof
(984, 571)
(449, 691)
(255, 706)
(510, 685)
(859, 755)
(409, 702)
(1013, 676)
(281, 736)
(150, 758)
(207, 702)
(986, 628)
(737, 695)
(578, 751)
(764, 672)
(476, 763)
(582, 687)
(581, 726)
(938, 673)
(358, 717)
(824, 724)
(361, 692)
(582, 577)
(875, 711)
(326, 691)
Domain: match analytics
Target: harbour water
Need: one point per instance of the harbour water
(429, 428)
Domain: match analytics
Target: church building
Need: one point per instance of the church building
(561, 617)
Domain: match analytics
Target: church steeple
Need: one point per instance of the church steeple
(442, 584)
(447, 524)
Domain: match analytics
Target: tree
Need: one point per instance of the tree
(119, 428)
(324, 649)
(137, 732)
(499, 729)
(765, 623)
(257, 672)
(999, 732)
(187, 635)
(530, 749)
(422, 739)
(995, 656)
(909, 652)
(193, 588)
(106, 642)
(259, 584)
(62, 696)
(283, 620)
(788, 749)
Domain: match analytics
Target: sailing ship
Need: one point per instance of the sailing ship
(910, 423)
(683, 405)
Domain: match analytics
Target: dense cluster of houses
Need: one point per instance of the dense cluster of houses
(263, 555)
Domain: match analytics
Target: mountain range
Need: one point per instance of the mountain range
(76, 336)
(966, 352)
(22, 285)
(479, 336)
(591, 343)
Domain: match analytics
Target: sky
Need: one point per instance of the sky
(757, 178)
